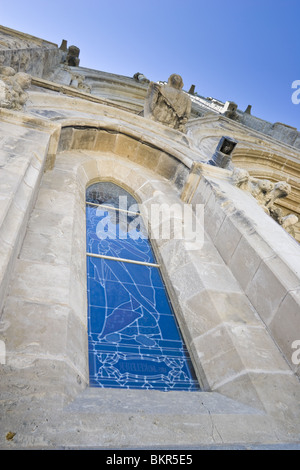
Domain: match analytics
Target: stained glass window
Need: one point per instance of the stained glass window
(134, 339)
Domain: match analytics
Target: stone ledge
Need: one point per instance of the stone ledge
(111, 418)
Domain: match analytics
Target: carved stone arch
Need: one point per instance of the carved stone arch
(147, 189)
(133, 144)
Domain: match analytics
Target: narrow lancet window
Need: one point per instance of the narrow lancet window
(134, 339)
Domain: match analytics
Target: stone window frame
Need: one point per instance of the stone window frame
(146, 190)
(182, 276)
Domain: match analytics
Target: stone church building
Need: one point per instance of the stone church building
(149, 261)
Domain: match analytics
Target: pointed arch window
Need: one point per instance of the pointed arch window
(134, 339)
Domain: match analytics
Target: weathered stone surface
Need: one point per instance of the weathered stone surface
(72, 57)
(285, 326)
(105, 141)
(267, 195)
(26, 53)
(235, 292)
(12, 88)
(168, 104)
(260, 259)
(209, 301)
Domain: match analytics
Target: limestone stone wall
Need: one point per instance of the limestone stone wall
(46, 337)
(26, 53)
(25, 153)
(263, 157)
(245, 378)
(235, 292)
(261, 255)
(278, 131)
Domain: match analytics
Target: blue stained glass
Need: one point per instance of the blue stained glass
(110, 194)
(134, 339)
(108, 270)
(116, 234)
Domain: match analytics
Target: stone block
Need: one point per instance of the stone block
(132, 179)
(218, 357)
(9, 181)
(285, 326)
(5, 202)
(45, 248)
(126, 146)
(204, 188)
(277, 401)
(181, 176)
(60, 180)
(167, 166)
(146, 156)
(77, 344)
(244, 261)
(51, 224)
(242, 389)
(77, 157)
(233, 350)
(84, 139)
(146, 190)
(257, 349)
(166, 222)
(47, 384)
(15, 163)
(91, 169)
(208, 253)
(13, 224)
(31, 176)
(211, 308)
(105, 141)
(54, 201)
(186, 283)
(217, 277)
(269, 286)
(39, 282)
(174, 255)
(5, 157)
(24, 197)
(7, 260)
(21, 146)
(36, 328)
(227, 239)
(108, 170)
(78, 295)
(213, 216)
(78, 247)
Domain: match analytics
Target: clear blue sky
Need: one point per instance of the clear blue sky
(247, 51)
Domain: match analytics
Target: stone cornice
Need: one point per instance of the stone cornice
(26, 37)
(241, 131)
(74, 92)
